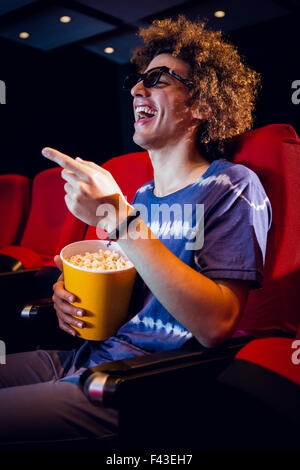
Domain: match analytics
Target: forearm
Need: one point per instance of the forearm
(196, 301)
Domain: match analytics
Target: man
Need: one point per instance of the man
(193, 95)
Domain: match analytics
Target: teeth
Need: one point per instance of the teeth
(144, 109)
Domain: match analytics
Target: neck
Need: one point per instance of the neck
(176, 167)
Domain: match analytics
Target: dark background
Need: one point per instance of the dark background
(71, 99)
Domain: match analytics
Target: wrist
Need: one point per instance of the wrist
(123, 211)
(124, 222)
(112, 211)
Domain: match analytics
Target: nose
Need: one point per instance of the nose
(139, 90)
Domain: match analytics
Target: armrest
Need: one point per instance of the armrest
(18, 288)
(40, 322)
(9, 264)
(109, 383)
(20, 274)
(105, 382)
(35, 308)
(15, 287)
(164, 400)
(47, 274)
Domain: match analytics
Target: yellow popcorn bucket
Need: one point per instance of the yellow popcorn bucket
(103, 295)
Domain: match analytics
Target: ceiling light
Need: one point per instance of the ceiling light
(109, 50)
(65, 19)
(24, 35)
(219, 13)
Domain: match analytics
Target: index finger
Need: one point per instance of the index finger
(64, 161)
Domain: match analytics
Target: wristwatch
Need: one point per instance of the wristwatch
(117, 232)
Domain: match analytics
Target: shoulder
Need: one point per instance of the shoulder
(235, 187)
(235, 172)
(229, 177)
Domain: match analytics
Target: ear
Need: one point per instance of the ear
(203, 113)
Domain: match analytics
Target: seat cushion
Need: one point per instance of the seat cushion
(279, 355)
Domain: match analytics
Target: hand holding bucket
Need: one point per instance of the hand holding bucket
(103, 295)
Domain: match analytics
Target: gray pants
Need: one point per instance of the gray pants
(38, 405)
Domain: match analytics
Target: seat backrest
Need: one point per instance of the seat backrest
(273, 152)
(14, 207)
(130, 171)
(49, 220)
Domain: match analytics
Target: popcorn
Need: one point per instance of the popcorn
(101, 260)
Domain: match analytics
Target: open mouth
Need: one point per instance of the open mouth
(144, 114)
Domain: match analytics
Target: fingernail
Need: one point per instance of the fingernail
(79, 324)
(71, 298)
(79, 313)
(45, 152)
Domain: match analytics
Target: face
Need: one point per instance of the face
(171, 118)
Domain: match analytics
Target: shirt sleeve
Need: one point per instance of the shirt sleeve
(235, 232)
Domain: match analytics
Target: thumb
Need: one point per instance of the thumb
(58, 262)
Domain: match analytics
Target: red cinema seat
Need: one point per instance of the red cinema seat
(14, 207)
(264, 378)
(49, 222)
(273, 152)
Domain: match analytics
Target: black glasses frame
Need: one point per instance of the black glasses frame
(134, 78)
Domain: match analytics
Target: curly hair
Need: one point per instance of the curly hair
(221, 79)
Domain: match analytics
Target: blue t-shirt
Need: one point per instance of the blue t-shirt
(217, 225)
